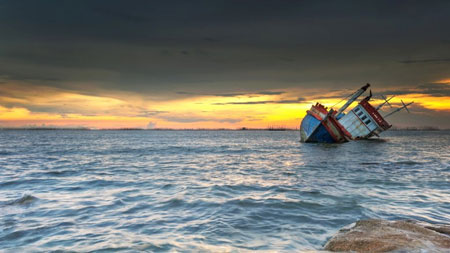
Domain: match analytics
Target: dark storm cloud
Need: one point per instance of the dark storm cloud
(432, 89)
(29, 77)
(435, 89)
(219, 47)
(271, 92)
(419, 116)
(119, 14)
(232, 94)
(287, 101)
(210, 94)
(437, 60)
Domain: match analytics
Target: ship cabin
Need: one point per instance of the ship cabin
(363, 121)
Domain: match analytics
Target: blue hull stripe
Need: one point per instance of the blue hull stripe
(311, 130)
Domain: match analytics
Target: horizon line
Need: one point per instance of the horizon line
(425, 128)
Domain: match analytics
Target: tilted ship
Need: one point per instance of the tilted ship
(361, 122)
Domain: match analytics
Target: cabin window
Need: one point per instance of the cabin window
(356, 109)
(363, 118)
(367, 122)
(360, 113)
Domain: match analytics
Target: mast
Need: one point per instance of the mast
(386, 101)
(353, 98)
(398, 109)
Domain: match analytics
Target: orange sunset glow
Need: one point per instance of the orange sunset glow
(231, 112)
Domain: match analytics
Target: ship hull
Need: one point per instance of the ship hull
(319, 125)
(330, 126)
(312, 130)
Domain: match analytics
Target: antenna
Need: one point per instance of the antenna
(386, 101)
(405, 106)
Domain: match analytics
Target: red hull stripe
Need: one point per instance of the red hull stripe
(314, 115)
(381, 122)
(333, 127)
(328, 125)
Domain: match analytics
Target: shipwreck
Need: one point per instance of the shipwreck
(361, 122)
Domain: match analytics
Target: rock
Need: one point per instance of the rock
(383, 236)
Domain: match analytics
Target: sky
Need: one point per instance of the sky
(218, 64)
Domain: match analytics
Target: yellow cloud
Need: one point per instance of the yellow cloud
(444, 81)
(13, 113)
(426, 101)
(123, 110)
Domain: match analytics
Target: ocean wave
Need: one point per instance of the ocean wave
(209, 191)
(25, 200)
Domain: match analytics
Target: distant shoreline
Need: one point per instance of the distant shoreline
(155, 129)
(196, 129)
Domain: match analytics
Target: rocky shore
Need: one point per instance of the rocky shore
(386, 236)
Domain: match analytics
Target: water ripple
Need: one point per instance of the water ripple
(209, 191)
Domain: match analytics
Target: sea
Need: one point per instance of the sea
(210, 191)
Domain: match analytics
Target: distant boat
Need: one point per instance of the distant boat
(361, 122)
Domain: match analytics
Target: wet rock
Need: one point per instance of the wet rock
(384, 236)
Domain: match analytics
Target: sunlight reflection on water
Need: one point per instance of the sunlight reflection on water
(210, 190)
